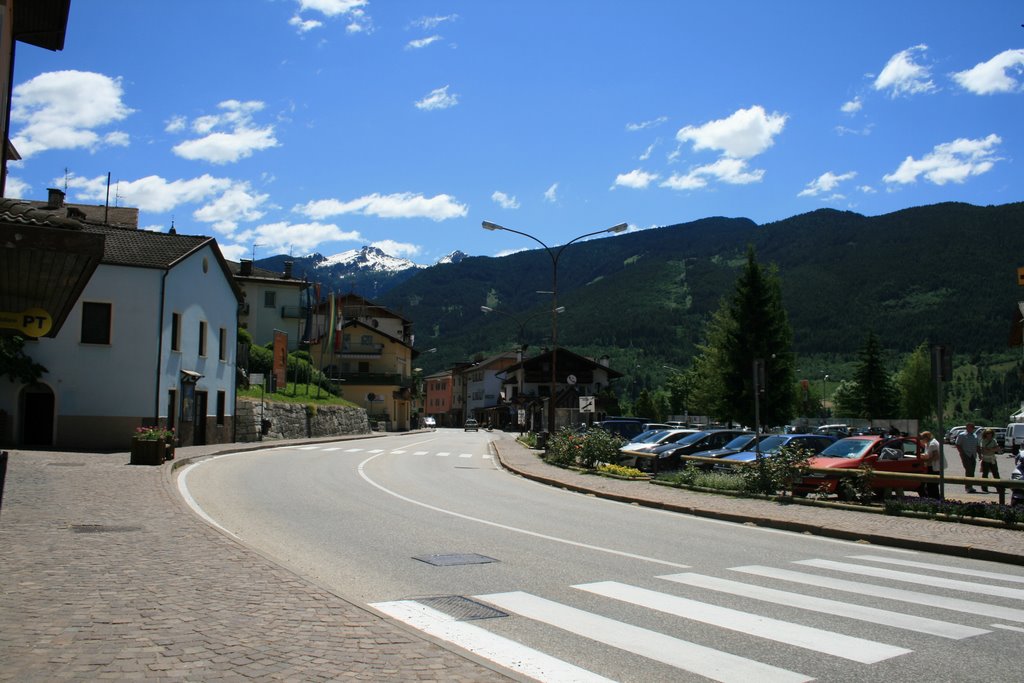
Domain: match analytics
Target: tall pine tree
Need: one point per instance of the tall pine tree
(873, 396)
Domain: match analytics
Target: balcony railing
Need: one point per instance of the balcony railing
(372, 378)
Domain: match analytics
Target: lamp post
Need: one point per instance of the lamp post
(554, 254)
(824, 392)
(522, 324)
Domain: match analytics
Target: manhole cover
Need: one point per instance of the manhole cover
(455, 559)
(102, 529)
(461, 608)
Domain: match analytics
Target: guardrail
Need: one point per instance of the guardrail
(1000, 485)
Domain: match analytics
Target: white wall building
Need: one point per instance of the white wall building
(151, 340)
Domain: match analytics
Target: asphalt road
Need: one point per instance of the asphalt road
(412, 526)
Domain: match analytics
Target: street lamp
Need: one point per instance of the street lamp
(554, 254)
(824, 393)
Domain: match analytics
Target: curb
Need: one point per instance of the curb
(952, 549)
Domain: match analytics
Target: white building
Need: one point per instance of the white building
(151, 340)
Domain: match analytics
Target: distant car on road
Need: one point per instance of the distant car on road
(429, 422)
(472, 425)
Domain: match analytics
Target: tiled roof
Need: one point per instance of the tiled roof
(144, 248)
(24, 213)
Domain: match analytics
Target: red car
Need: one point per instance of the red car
(882, 453)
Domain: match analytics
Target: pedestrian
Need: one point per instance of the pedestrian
(967, 447)
(988, 448)
(936, 461)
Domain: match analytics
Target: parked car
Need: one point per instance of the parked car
(668, 436)
(643, 438)
(626, 427)
(883, 454)
(1000, 434)
(837, 430)
(740, 443)
(668, 456)
(429, 422)
(1014, 437)
(770, 445)
(472, 425)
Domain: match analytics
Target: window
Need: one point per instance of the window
(221, 401)
(269, 299)
(364, 367)
(202, 338)
(176, 332)
(95, 323)
(222, 352)
(366, 339)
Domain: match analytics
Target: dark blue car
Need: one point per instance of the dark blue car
(814, 443)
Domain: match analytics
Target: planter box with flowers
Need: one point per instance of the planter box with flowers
(152, 445)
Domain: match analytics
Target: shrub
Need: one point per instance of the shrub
(776, 473)
(621, 471)
(585, 449)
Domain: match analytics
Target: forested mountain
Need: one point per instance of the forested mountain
(944, 273)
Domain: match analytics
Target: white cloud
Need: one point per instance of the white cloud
(240, 140)
(438, 99)
(176, 124)
(826, 182)
(992, 76)
(647, 152)
(151, 193)
(18, 188)
(744, 134)
(949, 162)
(63, 109)
(282, 237)
(401, 205)
(853, 106)
(509, 252)
(636, 179)
(505, 201)
(866, 189)
(903, 76)
(234, 252)
(331, 8)
(304, 25)
(393, 248)
(632, 127)
(725, 170)
(551, 194)
(236, 204)
(428, 23)
(360, 22)
(421, 42)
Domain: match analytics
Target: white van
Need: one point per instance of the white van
(1014, 437)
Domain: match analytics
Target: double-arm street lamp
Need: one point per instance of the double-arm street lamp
(521, 322)
(555, 254)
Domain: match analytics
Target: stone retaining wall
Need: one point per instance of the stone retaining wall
(296, 420)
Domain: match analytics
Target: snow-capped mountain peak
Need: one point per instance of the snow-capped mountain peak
(367, 258)
(453, 257)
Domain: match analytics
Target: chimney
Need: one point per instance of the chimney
(55, 200)
(288, 269)
(246, 267)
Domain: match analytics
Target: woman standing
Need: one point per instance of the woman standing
(987, 451)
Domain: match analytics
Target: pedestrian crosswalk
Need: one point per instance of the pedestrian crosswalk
(761, 603)
(396, 451)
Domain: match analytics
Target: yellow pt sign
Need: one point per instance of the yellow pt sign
(32, 322)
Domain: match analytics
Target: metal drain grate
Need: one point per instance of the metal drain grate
(454, 559)
(102, 529)
(461, 608)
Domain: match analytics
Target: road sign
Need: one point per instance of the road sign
(587, 404)
(32, 322)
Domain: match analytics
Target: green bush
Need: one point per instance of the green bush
(584, 449)
(693, 475)
(776, 473)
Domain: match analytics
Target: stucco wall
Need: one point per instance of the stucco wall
(294, 421)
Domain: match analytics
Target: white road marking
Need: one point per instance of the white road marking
(1016, 629)
(353, 450)
(527, 532)
(919, 579)
(698, 659)
(498, 649)
(421, 452)
(888, 593)
(397, 452)
(308, 448)
(807, 637)
(187, 495)
(442, 454)
(941, 568)
(465, 455)
(872, 615)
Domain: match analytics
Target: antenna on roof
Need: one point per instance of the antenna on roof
(117, 194)
(254, 245)
(66, 172)
(106, 205)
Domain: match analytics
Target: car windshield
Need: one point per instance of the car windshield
(648, 436)
(691, 438)
(772, 444)
(740, 442)
(847, 448)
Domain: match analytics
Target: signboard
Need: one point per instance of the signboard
(32, 322)
(280, 360)
(587, 404)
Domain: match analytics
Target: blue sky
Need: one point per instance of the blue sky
(293, 126)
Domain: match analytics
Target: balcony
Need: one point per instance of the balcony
(354, 350)
(371, 379)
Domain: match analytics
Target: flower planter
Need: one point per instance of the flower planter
(147, 452)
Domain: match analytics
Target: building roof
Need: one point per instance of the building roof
(42, 23)
(566, 359)
(263, 274)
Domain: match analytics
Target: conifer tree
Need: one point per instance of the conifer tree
(874, 396)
